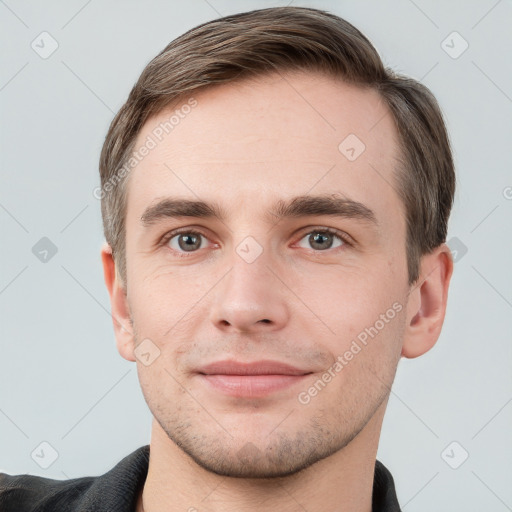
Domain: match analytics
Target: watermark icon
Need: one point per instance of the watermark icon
(44, 250)
(45, 45)
(249, 453)
(44, 455)
(151, 142)
(507, 193)
(457, 248)
(454, 45)
(304, 397)
(351, 147)
(146, 352)
(454, 455)
(249, 249)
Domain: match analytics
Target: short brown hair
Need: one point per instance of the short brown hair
(280, 39)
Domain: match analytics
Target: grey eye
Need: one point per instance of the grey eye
(321, 240)
(187, 241)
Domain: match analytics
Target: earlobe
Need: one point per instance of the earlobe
(121, 317)
(427, 302)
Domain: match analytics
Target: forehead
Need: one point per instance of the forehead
(275, 136)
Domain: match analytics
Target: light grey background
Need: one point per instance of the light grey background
(61, 378)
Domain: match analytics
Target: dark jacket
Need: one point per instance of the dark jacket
(118, 489)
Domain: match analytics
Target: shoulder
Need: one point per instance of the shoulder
(114, 491)
(25, 493)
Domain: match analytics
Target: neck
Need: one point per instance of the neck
(342, 481)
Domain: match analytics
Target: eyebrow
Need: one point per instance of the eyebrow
(299, 206)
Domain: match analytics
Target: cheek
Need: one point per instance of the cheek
(361, 310)
(159, 385)
(165, 301)
(350, 295)
(370, 352)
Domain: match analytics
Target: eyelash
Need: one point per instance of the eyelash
(344, 237)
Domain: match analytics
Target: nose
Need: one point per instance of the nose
(250, 298)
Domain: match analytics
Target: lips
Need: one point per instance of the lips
(266, 367)
(250, 380)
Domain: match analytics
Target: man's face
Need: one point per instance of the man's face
(257, 286)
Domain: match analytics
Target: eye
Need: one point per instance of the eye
(320, 239)
(323, 239)
(185, 241)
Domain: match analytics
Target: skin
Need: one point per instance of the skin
(246, 145)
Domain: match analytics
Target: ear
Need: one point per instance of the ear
(426, 306)
(119, 304)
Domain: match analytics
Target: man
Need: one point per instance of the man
(275, 205)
